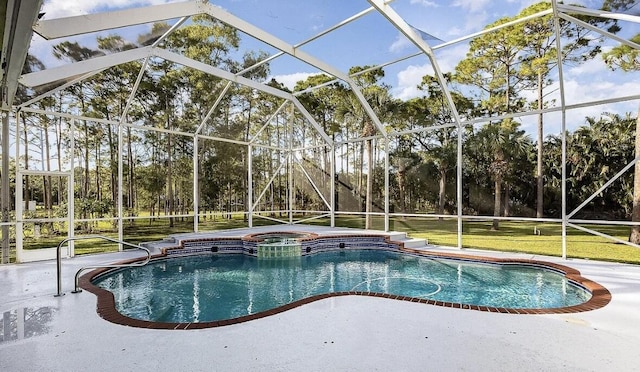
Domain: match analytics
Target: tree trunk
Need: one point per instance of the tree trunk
(229, 200)
(98, 173)
(507, 196)
(170, 181)
(497, 201)
(634, 237)
(170, 200)
(369, 199)
(441, 191)
(131, 187)
(402, 170)
(113, 167)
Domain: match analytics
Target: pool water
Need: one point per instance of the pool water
(225, 286)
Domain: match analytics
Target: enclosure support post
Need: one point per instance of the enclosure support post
(6, 202)
(290, 188)
(556, 24)
(196, 186)
(70, 186)
(290, 164)
(120, 191)
(386, 183)
(250, 185)
(459, 185)
(333, 185)
(290, 191)
(19, 190)
(564, 184)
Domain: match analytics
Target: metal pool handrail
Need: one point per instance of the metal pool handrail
(59, 259)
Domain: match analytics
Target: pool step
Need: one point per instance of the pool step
(408, 242)
(415, 243)
(155, 247)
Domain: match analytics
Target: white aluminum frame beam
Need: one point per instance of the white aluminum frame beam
(88, 23)
(495, 28)
(18, 23)
(61, 87)
(68, 116)
(197, 65)
(566, 8)
(602, 235)
(180, 59)
(603, 187)
(598, 30)
(67, 71)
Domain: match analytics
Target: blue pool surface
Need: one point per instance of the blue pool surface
(207, 288)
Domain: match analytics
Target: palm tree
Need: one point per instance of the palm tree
(500, 143)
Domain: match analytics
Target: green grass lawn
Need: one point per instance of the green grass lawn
(518, 236)
(511, 237)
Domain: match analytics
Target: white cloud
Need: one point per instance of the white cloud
(475, 22)
(426, 3)
(408, 81)
(401, 43)
(473, 17)
(290, 80)
(592, 67)
(454, 31)
(475, 6)
(578, 92)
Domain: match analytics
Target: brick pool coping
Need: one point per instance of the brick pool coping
(600, 296)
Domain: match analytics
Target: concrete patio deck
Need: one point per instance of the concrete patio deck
(336, 334)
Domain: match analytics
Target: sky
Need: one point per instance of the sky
(371, 40)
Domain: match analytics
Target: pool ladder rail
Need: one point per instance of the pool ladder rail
(77, 276)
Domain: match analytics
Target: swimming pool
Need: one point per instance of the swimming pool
(215, 289)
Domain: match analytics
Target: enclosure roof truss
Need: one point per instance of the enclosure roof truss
(70, 26)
